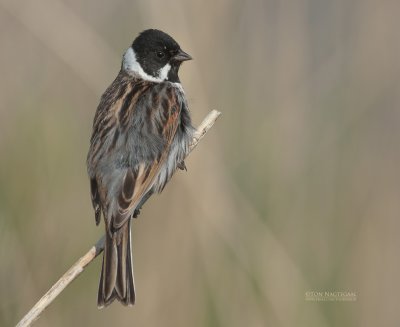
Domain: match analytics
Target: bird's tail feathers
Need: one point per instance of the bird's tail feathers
(116, 280)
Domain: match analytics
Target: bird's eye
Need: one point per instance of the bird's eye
(160, 54)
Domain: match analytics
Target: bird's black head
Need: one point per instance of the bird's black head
(155, 56)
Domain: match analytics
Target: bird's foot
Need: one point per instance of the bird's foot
(182, 166)
(136, 213)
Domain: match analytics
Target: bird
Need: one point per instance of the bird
(142, 131)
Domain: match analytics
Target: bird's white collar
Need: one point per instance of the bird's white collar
(130, 64)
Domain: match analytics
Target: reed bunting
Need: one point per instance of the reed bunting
(141, 134)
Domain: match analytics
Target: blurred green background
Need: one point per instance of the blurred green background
(295, 189)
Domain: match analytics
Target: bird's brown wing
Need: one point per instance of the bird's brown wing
(134, 126)
(162, 121)
(116, 102)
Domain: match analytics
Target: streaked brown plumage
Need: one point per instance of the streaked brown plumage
(141, 134)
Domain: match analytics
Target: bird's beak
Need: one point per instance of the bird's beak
(182, 56)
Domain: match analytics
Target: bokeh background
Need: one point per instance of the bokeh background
(295, 189)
